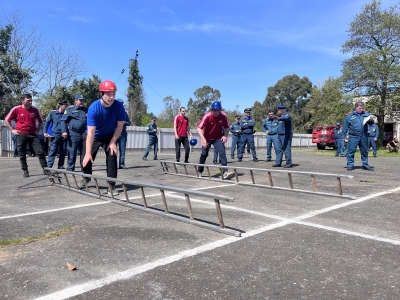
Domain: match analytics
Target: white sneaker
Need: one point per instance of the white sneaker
(114, 191)
(229, 175)
(81, 183)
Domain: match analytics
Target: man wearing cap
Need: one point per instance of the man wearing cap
(236, 131)
(285, 136)
(373, 134)
(270, 127)
(152, 131)
(121, 142)
(58, 141)
(338, 140)
(247, 127)
(73, 124)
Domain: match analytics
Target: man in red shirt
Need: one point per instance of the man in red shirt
(182, 130)
(26, 131)
(210, 131)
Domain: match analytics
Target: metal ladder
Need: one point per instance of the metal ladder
(68, 180)
(185, 167)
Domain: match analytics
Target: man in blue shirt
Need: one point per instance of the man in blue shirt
(73, 125)
(285, 135)
(122, 140)
(356, 126)
(58, 142)
(270, 127)
(373, 135)
(106, 118)
(152, 131)
(247, 127)
(236, 131)
(338, 140)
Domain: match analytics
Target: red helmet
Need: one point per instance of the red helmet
(107, 86)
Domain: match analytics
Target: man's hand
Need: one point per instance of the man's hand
(204, 142)
(86, 159)
(266, 132)
(14, 132)
(64, 135)
(112, 147)
(224, 139)
(46, 134)
(176, 136)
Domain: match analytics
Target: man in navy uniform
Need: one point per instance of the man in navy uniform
(373, 135)
(58, 141)
(121, 142)
(152, 131)
(285, 136)
(236, 131)
(73, 125)
(270, 127)
(247, 126)
(338, 140)
(356, 126)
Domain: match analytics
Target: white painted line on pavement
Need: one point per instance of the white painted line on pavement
(95, 284)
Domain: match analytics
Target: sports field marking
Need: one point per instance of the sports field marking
(129, 273)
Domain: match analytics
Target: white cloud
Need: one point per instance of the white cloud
(81, 19)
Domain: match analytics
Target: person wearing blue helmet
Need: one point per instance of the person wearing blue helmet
(210, 132)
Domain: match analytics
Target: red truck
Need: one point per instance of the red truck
(324, 136)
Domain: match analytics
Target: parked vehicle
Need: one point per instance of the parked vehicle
(324, 136)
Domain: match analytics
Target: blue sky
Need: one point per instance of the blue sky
(238, 47)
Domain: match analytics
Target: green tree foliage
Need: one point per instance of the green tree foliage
(171, 109)
(374, 66)
(13, 77)
(205, 96)
(88, 87)
(327, 105)
(292, 91)
(137, 107)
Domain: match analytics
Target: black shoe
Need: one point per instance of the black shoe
(349, 168)
(269, 159)
(186, 161)
(61, 168)
(144, 158)
(239, 160)
(276, 166)
(336, 155)
(232, 157)
(214, 162)
(155, 158)
(288, 166)
(255, 159)
(26, 173)
(177, 160)
(122, 167)
(374, 155)
(44, 172)
(369, 168)
(70, 170)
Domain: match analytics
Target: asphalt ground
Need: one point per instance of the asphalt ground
(293, 245)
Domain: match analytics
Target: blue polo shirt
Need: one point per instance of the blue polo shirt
(105, 119)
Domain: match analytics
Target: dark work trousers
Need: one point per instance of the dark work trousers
(33, 141)
(247, 138)
(219, 146)
(185, 142)
(121, 142)
(111, 160)
(58, 143)
(74, 146)
(235, 144)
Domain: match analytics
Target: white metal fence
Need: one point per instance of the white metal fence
(138, 140)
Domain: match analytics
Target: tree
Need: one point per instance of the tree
(205, 96)
(294, 93)
(327, 105)
(171, 109)
(374, 67)
(137, 107)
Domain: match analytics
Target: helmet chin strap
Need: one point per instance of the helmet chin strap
(105, 103)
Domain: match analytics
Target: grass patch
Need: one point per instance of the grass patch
(381, 153)
(30, 239)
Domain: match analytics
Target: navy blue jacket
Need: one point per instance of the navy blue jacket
(54, 118)
(285, 124)
(235, 126)
(247, 125)
(354, 124)
(127, 122)
(338, 133)
(74, 120)
(150, 129)
(373, 131)
(271, 126)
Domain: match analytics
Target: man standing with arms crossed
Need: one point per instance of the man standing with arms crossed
(182, 130)
(247, 126)
(270, 127)
(25, 116)
(285, 137)
(236, 131)
(210, 132)
(106, 118)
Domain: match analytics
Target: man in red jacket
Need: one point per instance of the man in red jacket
(26, 131)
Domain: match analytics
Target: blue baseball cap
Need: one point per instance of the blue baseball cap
(63, 102)
(281, 106)
(79, 96)
(154, 118)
